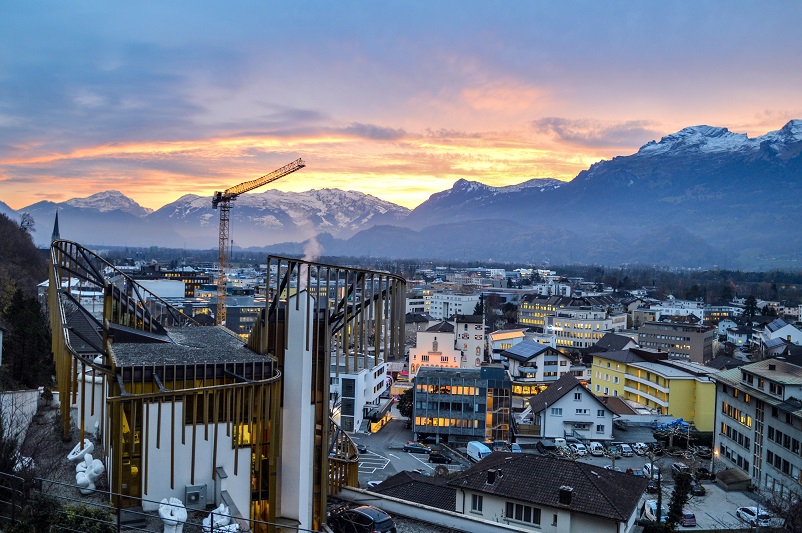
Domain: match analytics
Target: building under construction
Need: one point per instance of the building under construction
(189, 411)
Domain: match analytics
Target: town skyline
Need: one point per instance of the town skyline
(158, 102)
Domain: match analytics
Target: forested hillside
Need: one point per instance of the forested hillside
(27, 361)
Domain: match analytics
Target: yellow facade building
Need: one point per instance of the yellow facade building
(678, 388)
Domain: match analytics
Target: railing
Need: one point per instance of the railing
(72, 512)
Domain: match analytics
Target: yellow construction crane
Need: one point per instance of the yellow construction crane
(223, 201)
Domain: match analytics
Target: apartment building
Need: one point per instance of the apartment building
(459, 405)
(358, 390)
(533, 366)
(679, 388)
(582, 327)
(444, 305)
(435, 348)
(759, 423)
(690, 342)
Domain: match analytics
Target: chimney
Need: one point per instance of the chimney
(565, 495)
(491, 476)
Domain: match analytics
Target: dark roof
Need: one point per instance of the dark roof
(774, 325)
(526, 350)
(618, 405)
(442, 327)
(84, 333)
(536, 479)
(411, 318)
(611, 342)
(723, 362)
(621, 356)
(470, 319)
(554, 392)
(415, 487)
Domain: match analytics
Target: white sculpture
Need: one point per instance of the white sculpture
(173, 514)
(80, 450)
(87, 474)
(220, 520)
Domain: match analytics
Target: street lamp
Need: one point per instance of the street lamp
(713, 462)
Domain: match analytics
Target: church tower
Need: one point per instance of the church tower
(55, 235)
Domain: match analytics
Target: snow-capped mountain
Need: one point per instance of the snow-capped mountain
(698, 197)
(109, 201)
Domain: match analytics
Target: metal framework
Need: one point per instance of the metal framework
(222, 200)
(358, 319)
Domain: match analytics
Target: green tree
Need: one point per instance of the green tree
(750, 307)
(88, 519)
(479, 308)
(406, 403)
(26, 346)
(679, 499)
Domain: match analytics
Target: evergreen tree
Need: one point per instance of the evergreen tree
(679, 499)
(26, 346)
(406, 403)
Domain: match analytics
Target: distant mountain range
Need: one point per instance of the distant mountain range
(700, 197)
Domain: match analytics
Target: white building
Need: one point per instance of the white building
(444, 305)
(581, 327)
(358, 391)
(566, 408)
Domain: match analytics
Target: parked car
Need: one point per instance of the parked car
(656, 448)
(751, 516)
(596, 449)
(578, 448)
(439, 457)
(361, 448)
(363, 519)
(422, 471)
(680, 468)
(651, 471)
(697, 489)
(626, 450)
(611, 467)
(638, 472)
(704, 473)
(614, 450)
(374, 484)
(652, 487)
(650, 511)
(416, 447)
(688, 519)
(640, 448)
(545, 446)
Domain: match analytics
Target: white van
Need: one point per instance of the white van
(596, 449)
(560, 442)
(477, 451)
(626, 450)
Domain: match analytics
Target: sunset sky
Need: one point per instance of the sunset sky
(395, 99)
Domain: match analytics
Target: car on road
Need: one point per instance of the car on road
(578, 448)
(362, 519)
(751, 516)
(650, 511)
(361, 448)
(651, 471)
(439, 457)
(416, 447)
(640, 448)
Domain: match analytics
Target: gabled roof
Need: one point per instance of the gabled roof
(537, 480)
(620, 356)
(412, 318)
(415, 487)
(775, 325)
(526, 350)
(469, 319)
(442, 327)
(722, 362)
(617, 405)
(611, 342)
(557, 390)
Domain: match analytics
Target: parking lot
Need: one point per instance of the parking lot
(714, 511)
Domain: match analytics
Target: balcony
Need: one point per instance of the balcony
(644, 394)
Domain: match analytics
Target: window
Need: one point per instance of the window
(599, 428)
(556, 411)
(606, 390)
(577, 396)
(583, 411)
(424, 358)
(522, 513)
(598, 388)
(615, 379)
(600, 413)
(476, 503)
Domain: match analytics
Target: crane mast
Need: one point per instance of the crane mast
(222, 200)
